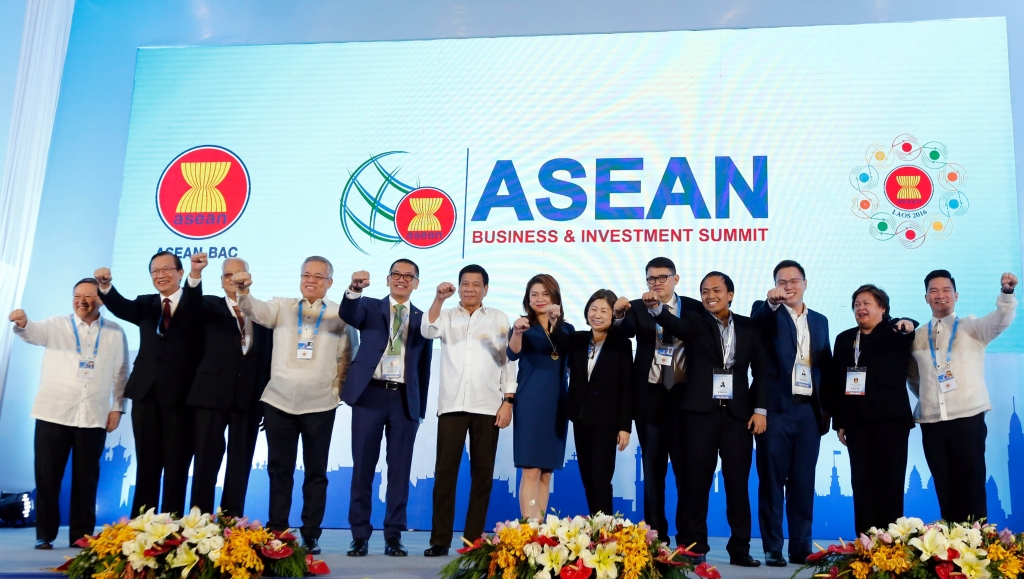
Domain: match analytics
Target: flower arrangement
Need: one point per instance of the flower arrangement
(602, 546)
(197, 546)
(913, 549)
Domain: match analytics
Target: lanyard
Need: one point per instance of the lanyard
(679, 314)
(856, 350)
(801, 337)
(316, 329)
(78, 343)
(949, 349)
(730, 330)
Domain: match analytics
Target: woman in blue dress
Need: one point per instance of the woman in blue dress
(539, 423)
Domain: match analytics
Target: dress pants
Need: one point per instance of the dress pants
(955, 451)
(787, 454)
(452, 428)
(53, 444)
(283, 432)
(878, 469)
(706, 435)
(381, 413)
(243, 429)
(163, 445)
(595, 453)
(656, 431)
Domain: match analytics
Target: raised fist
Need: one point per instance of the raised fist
(622, 305)
(242, 281)
(19, 318)
(199, 262)
(904, 326)
(777, 295)
(360, 279)
(1009, 281)
(445, 291)
(102, 275)
(650, 300)
(521, 325)
(554, 311)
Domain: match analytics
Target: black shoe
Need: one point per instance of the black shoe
(436, 551)
(358, 548)
(774, 559)
(44, 545)
(798, 559)
(744, 561)
(702, 558)
(312, 545)
(393, 548)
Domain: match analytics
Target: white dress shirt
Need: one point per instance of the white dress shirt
(803, 338)
(378, 374)
(175, 297)
(248, 323)
(475, 370)
(967, 363)
(678, 348)
(303, 386)
(63, 397)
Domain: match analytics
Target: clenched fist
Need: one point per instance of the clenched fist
(777, 295)
(1008, 281)
(904, 326)
(102, 275)
(622, 305)
(199, 262)
(360, 280)
(242, 281)
(521, 325)
(553, 311)
(19, 318)
(650, 300)
(445, 290)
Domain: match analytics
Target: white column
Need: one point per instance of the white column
(43, 46)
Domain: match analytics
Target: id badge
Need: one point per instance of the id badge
(947, 383)
(305, 350)
(856, 380)
(392, 368)
(663, 355)
(86, 369)
(803, 386)
(721, 384)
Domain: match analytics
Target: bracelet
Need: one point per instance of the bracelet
(1007, 292)
(358, 291)
(510, 400)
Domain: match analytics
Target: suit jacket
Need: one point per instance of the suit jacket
(372, 317)
(704, 355)
(606, 397)
(886, 354)
(225, 378)
(778, 334)
(639, 323)
(166, 364)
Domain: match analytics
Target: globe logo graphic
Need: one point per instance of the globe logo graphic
(368, 203)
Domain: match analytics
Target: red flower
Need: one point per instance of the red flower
(577, 571)
(476, 545)
(316, 567)
(815, 557)
(65, 565)
(175, 541)
(546, 541)
(284, 551)
(833, 573)
(952, 554)
(284, 536)
(83, 543)
(157, 550)
(944, 569)
(706, 572)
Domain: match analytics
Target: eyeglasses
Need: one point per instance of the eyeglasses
(402, 276)
(658, 279)
(157, 272)
(788, 282)
(311, 277)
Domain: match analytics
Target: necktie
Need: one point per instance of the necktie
(668, 372)
(241, 322)
(166, 318)
(395, 348)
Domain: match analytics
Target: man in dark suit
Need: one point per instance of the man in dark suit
(796, 341)
(659, 369)
(170, 347)
(719, 410)
(226, 393)
(387, 389)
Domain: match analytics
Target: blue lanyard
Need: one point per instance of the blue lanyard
(78, 342)
(949, 349)
(316, 329)
(679, 314)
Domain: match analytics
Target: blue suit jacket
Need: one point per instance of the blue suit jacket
(372, 317)
(779, 334)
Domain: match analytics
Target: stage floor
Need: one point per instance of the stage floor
(18, 557)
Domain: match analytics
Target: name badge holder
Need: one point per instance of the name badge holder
(391, 367)
(803, 384)
(86, 366)
(856, 376)
(663, 355)
(946, 380)
(305, 347)
(721, 378)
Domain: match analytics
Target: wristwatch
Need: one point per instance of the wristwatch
(355, 289)
(510, 399)
(1008, 292)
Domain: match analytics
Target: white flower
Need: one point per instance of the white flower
(210, 544)
(603, 561)
(139, 522)
(553, 558)
(532, 551)
(542, 574)
(904, 527)
(194, 519)
(601, 522)
(931, 544)
(973, 567)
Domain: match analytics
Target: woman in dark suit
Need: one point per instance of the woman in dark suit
(600, 400)
(870, 405)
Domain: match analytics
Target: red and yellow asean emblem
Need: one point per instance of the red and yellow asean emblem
(908, 187)
(202, 192)
(425, 217)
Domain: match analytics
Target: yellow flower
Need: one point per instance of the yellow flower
(972, 567)
(892, 558)
(860, 569)
(1011, 567)
(996, 552)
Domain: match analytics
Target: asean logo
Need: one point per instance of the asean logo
(202, 192)
(378, 208)
(921, 188)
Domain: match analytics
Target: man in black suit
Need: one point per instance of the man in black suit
(226, 394)
(170, 347)
(720, 411)
(659, 370)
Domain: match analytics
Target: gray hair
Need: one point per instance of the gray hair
(323, 260)
(245, 264)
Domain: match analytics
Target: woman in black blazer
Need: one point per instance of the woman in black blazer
(600, 398)
(870, 405)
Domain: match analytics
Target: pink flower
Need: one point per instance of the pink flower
(651, 536)
(1006, 536)
(886, 538)
(977, 525)
(242, 523)
(867, 542)
(499, 527)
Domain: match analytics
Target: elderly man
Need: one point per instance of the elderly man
(312, 350)
(80, 400)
